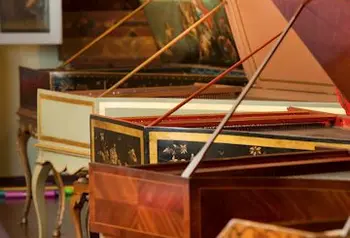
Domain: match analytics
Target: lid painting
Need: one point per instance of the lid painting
(211, 43)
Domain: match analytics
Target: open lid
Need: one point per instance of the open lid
(281, 39)
(145, 33)
(316, 50)
(324, 27)
(210, 43)
(204, 18)
(127, 46)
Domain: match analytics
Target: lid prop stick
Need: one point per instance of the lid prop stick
(192, 166)
(166, 47)
(107, 32)
(213, 81)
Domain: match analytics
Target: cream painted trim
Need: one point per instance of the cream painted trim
(157, 105)
(64, 141)
(225, 105)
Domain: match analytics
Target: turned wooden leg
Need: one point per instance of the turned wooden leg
(75, 208)
(23, 136)
(86, 228)
(61, 203)
(40, 175)
(77, 202)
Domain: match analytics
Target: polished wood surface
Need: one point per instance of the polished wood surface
(294, 74)
(327, 40)
(163, 204)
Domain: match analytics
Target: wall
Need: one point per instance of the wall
(11, 57)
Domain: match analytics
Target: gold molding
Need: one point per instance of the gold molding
(62, 150)
(66, 100)
(65, 141)
(154, 136)
(116, 128)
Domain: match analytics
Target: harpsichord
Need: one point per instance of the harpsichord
(197, 198)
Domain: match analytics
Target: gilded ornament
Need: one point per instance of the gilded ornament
(255, 150)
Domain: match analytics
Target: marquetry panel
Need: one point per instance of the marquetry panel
(210, 200)
(147, 207)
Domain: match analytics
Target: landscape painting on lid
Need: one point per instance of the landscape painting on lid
(210, 43)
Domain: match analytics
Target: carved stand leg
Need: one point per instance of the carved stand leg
(75, 207)
(77, 203)
(78, 199)
(86, 228)
(61, 203)
(40, 175)
(23, 136)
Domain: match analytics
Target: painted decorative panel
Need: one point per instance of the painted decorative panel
(129, 44)
(211, 42)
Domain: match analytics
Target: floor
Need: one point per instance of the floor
(10, 216)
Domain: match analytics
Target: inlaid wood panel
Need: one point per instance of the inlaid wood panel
(216, 193)
(152, 208)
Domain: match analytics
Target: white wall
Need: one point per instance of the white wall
(11, 57)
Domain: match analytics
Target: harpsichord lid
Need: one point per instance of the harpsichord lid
(130, 44)
(210, 43)
(146, 32)
(324, 27)
(317, 50)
